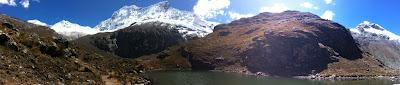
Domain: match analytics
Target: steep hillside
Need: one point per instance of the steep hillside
(134, 41)
(283, 44)
(33, 54)
(379, 42)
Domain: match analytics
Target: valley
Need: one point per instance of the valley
(161, 45)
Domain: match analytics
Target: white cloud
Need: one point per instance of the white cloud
(24, 3)
(328, 1)
(8, 2)
(309, 5)
(276, 8)
(37, 22)
(210, 8)
(328, 15)
(236, 16)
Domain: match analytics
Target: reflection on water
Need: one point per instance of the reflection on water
(219, 78)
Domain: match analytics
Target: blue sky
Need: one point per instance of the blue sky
(90, 12)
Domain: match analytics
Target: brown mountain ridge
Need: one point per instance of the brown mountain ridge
(285, 44)
(291, 43)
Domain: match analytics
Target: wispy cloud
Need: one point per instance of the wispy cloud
(276, 8)
(8, 2)
(328, 15)
(210, 8)
(309, 5)
(328, 1)
(24, 3)
(235, 15)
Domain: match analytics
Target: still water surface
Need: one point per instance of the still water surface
(219, 78)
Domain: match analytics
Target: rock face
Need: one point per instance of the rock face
(382, 44)
(297, 44)
(32, 54)
(284, 44)
(136, 40)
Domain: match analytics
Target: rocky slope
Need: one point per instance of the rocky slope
(33, 54)
(379, 42)
(282, 44)
(134, 41)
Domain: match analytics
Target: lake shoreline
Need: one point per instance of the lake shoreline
(231, 78)
(320, 77)
(353, 77)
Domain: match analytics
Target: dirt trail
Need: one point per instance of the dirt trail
(107, 79)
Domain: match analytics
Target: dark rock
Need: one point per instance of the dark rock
(6, 41)
(219, 27)
(107, 43)
(8, 25)
(60, 40)
(50, 49)
(12, 46)
(224, 33)
(4, 38)
(137, 40)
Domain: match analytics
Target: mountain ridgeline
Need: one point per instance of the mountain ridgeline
(136, 40)
(284, 44)
(290, 43)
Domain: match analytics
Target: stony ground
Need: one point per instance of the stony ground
(31, 54)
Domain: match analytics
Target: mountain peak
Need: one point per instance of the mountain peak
(164, 4)
(160, 12)
(369, 25)
(72, 30)
(373, 31)
(366, 22)
(65, 22)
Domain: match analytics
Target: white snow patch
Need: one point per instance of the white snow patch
(70, 29)
(37, 22)
(367, 28)
(160, 12)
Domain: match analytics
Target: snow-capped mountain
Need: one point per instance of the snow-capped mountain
(373, 31)
(160, 12)
(382, 44)
(37, 22)
(72, 30)
(67, 29)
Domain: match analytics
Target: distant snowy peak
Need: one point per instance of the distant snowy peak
(72, 30)
(37, 22)
(366, 25)
(66, 26)
(372, 30)
(160, 12)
